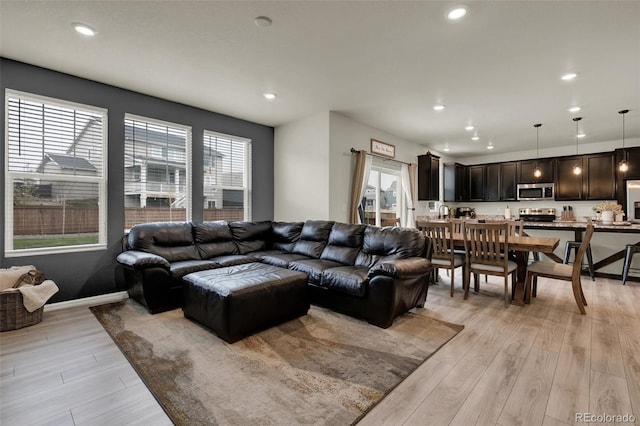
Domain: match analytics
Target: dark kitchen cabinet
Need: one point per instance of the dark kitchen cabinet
(632, 156)
(527, 167)
(569, 186)
(492, 182)
(600, 176)
(428, 177)
(455, 182)
(508, 186)
(476, 182)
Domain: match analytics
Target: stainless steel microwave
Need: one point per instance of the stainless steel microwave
(536, 191)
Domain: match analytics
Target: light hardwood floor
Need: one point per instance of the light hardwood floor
(536, 365)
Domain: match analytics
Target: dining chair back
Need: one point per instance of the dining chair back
(486, 247)
(564, 272)
(441, 234)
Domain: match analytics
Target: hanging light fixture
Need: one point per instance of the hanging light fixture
(623, 166)
(537, 172)
(577, 169)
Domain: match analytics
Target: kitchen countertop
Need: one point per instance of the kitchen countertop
(623, 227)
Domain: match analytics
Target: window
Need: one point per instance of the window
(157, 171)
(55, 174)
(227, 177)
(381, 202)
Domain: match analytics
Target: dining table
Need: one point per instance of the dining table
(521, 246)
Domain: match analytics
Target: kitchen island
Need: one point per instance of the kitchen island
(599, 243)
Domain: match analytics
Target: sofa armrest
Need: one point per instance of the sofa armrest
(140, 259)
(401, 268)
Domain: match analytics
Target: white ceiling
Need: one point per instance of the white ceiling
(382, 63)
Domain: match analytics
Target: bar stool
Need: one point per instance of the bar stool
(630, 250)
(574, 245)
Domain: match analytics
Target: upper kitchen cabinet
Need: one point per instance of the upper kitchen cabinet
(428, 177)
(455, 182)
(508, 186)
(476, 182)
(600, 176)
(569, 186)
(492, 182)
(632, 156)
(526, 168)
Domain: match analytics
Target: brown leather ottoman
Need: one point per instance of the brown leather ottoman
(239, 300)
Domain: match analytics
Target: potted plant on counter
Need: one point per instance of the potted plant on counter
(608, 211)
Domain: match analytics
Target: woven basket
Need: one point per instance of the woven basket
(13, 314)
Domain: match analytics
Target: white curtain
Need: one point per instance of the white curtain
(407, 218)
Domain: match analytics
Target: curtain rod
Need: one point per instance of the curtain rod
(355, 151)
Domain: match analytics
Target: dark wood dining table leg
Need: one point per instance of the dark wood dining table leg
(522, 294)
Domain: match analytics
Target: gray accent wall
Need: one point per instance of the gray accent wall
(95, 272)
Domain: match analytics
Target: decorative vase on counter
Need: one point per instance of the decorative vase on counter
(607, 217)
(619, 216)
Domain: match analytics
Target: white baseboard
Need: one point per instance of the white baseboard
(87, 301)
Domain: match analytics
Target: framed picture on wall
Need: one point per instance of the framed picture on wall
(382, 148)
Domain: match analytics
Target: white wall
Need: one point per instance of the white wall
(301, 169)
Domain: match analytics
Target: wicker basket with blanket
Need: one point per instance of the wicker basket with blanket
(23, 292)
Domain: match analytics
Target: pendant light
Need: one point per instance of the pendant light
(623, 166)
(577, 169)
(537, 172)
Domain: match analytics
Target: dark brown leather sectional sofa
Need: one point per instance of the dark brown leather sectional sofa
(364, 271)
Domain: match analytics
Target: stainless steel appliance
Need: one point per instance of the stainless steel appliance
(537, 214)
(466, 212)
(633, 200)
(536, 191)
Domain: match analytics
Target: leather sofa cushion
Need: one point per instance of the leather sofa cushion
(171, 240)
(313, 268)
(214, 239)
(346, 279)
(313, 238)
(344, 243)
(389, 243)
(277, 258)
(180, 269)
(284, 235)
(250, 236)
(234, 259)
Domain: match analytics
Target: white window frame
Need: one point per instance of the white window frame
(11, 176)
(188, 157)
(246, 184)
(380, 167)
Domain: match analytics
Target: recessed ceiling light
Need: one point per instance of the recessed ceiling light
(569, 76)
(457, 13)
(581, 135)
(438, 107)
(475, 138)
(575, 109)
(469, 128)
(84, 29)
(447, 149)
(489, 146)
(263, 21)
(269, 95)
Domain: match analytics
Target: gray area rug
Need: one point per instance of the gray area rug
(324, 368)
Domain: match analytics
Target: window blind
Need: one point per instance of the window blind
(157, 171)
(56, 168)
(227, 177)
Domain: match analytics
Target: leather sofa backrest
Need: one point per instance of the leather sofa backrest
(214, 239)
(389, 243)
(171, 240)
(313, 238)
(344, 243)
(284, 235)
(250, 236)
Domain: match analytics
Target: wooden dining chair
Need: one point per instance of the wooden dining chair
(561, 271)
(393, 221)
(441, 234)
(486, 246)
